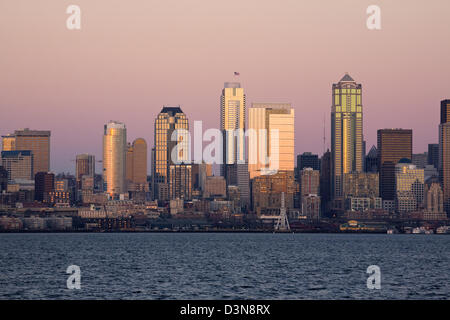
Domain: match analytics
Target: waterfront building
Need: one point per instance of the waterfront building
(311, 206)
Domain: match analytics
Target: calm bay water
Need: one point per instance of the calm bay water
(224, 266)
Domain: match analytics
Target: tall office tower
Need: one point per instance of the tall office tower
(325, 181)
(232, 125)
(137, 165)
(85, 166)
(267, 152)
(346, 134)
(309, 185)
(307, 160)
(433, 154)
(180, 181)
(409, 182)
(44, 182)
(371, 160)
(18, 164)
(393, 145)
(444, 152)
(3, 179)
(167, 122)
(114, 158)
(38, 142)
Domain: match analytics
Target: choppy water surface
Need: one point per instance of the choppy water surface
(224, 266)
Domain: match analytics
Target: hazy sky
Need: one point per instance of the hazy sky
(132, 57)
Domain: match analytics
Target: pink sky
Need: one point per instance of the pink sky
(132, 57)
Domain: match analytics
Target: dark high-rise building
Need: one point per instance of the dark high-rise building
(433, 154)
(44, 182)
(3, 179)
(171, 121)
(371, 160)
(444, 152)
(308, 160)
(393, 145)
(85, 166)
(325, 181)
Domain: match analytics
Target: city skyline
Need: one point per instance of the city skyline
(77, 75)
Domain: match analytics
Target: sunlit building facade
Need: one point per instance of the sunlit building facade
(444, 152)
(271, 138)
(346, 133)
(37, 141)
(137, 165)
(114, 158)
(409, 182)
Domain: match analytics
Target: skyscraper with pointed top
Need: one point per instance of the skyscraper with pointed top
(346, 134)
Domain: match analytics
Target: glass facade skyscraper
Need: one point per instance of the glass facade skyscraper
(346, 133)
(114, 158)
(167, 122)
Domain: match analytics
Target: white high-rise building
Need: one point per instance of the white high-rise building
(271, 138)
(232, 123)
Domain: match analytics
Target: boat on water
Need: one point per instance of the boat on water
(422, 230)
(392, 231)
(443, 230)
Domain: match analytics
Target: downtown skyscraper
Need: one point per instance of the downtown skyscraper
(136, 175)
(346, 134)
(169, 174)
(114, 158)
(232, 125)
(392, 146)
(444, 152)
(36, 141)
(265, 120)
